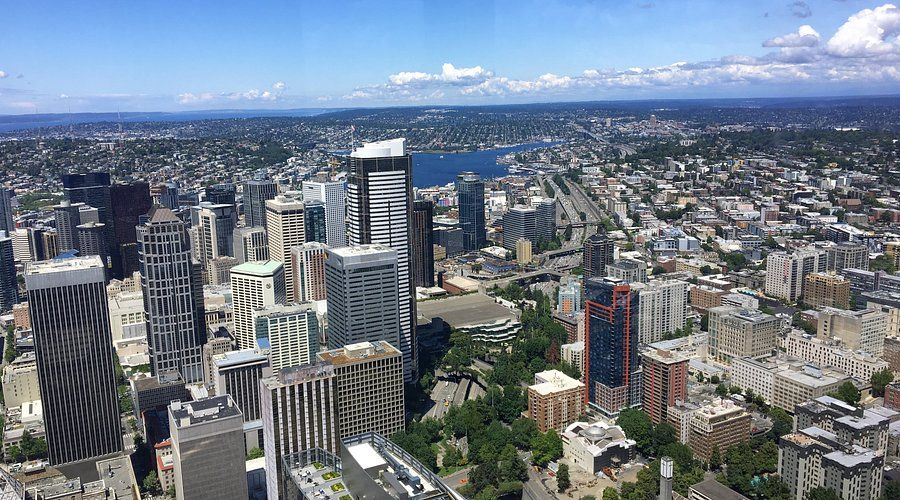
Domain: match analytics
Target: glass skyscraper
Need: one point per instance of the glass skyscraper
(470, 194)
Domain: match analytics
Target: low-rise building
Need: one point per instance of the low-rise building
(555, 400)
(592, 447)
(704, 298)
(165, 464)
(20, 381)
(863, 330)
(718, 426)
(735, 333)
(824, 352)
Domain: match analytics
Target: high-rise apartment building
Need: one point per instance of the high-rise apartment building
(785, 272)
(718, 425)
(308, 263)
(847, 255)
(470, 196)
(73, 348)
(370, 388)
(9, 286)
(519, 223)
(870, 281)
(333, 194)
(857, 330)
(379, 211)
(736, 333)
(524, 255)
(628, 270)
(286, 229)
(250, 244)
(254, 285)
(299, 412)
(611, 341)
(826, 290)
(599, 252)
(173, 295)
(423, 244)
(291, 333)
(555, 400)
(662, 310)
(208, 449)
(363, 295)
(256, 193)
(664, 382)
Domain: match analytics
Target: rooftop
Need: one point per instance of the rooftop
(714, 489)
(465, 310)
(63, 265)
(240, 357)
(204, 410)
(380, 149)
(552, 381)
(258, 268)
(360, 351)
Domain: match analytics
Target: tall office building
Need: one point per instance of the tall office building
(314, 220)
(92, 189)
(73, 347)
(363, 295)
(370, 388)
(611, 341)
(25, 248)
(379, 211)
(237, 373)
(735, 333)
(628, 270)
(308, 263)
(663, 382)
(9, 286)
(167, 195)
(68, 218)
(470, 195)
(333, 194)
(216, 231)
(290, 332)
(129, 202)
(49, 245)
(254, 285)
(299, 412)
(173, 295)
(256, 193)
(250, 244)
(286, 229)
(519, 223)
(545, 220)
(220, 194)
(598, 253)
(847, 256)
(785, 272)
(208, 449)
(662, 310)
(92, 241)
(7, 222)
(423, 244)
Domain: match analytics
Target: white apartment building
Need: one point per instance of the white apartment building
(785, 271)
(824, 352)
(662, 308)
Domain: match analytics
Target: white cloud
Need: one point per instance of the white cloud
(189, 98)
(869, 32)
(63, 96)
(805, 36)
(279, 85)
(3, 74)
(449, 74)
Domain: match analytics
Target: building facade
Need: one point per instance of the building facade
(286, 229)
(423, 244)
(555, 400)
(333, 194)
(664, 382)
(735, 332)
(254, 285)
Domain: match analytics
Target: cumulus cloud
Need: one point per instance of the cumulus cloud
(3, 74)
(190, 98)
(805, 36)
(800, 9)
(449, 74)
(279, 86)
(869, 32)
(252, 95)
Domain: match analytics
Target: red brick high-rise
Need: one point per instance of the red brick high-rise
(664, 382)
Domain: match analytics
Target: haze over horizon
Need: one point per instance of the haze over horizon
(92, 57)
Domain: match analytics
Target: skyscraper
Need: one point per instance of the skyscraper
(314, 220)
(92, 189)
(256, 193)
(363, 295)
(216, 231)
(299, 412)
(423, 244)
(611, 341)
(290, 332)
(333, 194)
(379, 211)
(68, 217)
(220, 194)
(470, 195)
(250, 244)
(663, 381)
(308, 263)
(662, 310)
(7, 223)
(9, 286)
(545, 220)
(208, 449)
(518, 223)
(286, 228)
(73, 346)
(129, 203)
(598, 252)
(173, 295)
(237, 373)
(254, 285)
(92, 241)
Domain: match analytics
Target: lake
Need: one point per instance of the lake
(434, 169)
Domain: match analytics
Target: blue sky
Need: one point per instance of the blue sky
(170, 56)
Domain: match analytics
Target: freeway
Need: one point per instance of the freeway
(585, 203)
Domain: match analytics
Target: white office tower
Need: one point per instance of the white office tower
(363, 298)
(286, 228)
(308, 263)
(662, 308)
(333, 194)
(254, 285)
(299, 412)
(379, 211)
(74, 354)
(24, 245)
(250, 244)
(290, 332)
(173, 295)
(785, 272)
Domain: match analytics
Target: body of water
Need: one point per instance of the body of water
(434, 169)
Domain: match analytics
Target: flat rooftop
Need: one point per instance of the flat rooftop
(243, 356)
(554, 381)
(361, 351)
(465, 310)
(259, 268)
(204, 410)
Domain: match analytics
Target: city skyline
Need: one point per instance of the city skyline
(130, 59)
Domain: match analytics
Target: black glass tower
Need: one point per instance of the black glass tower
(470, 193)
